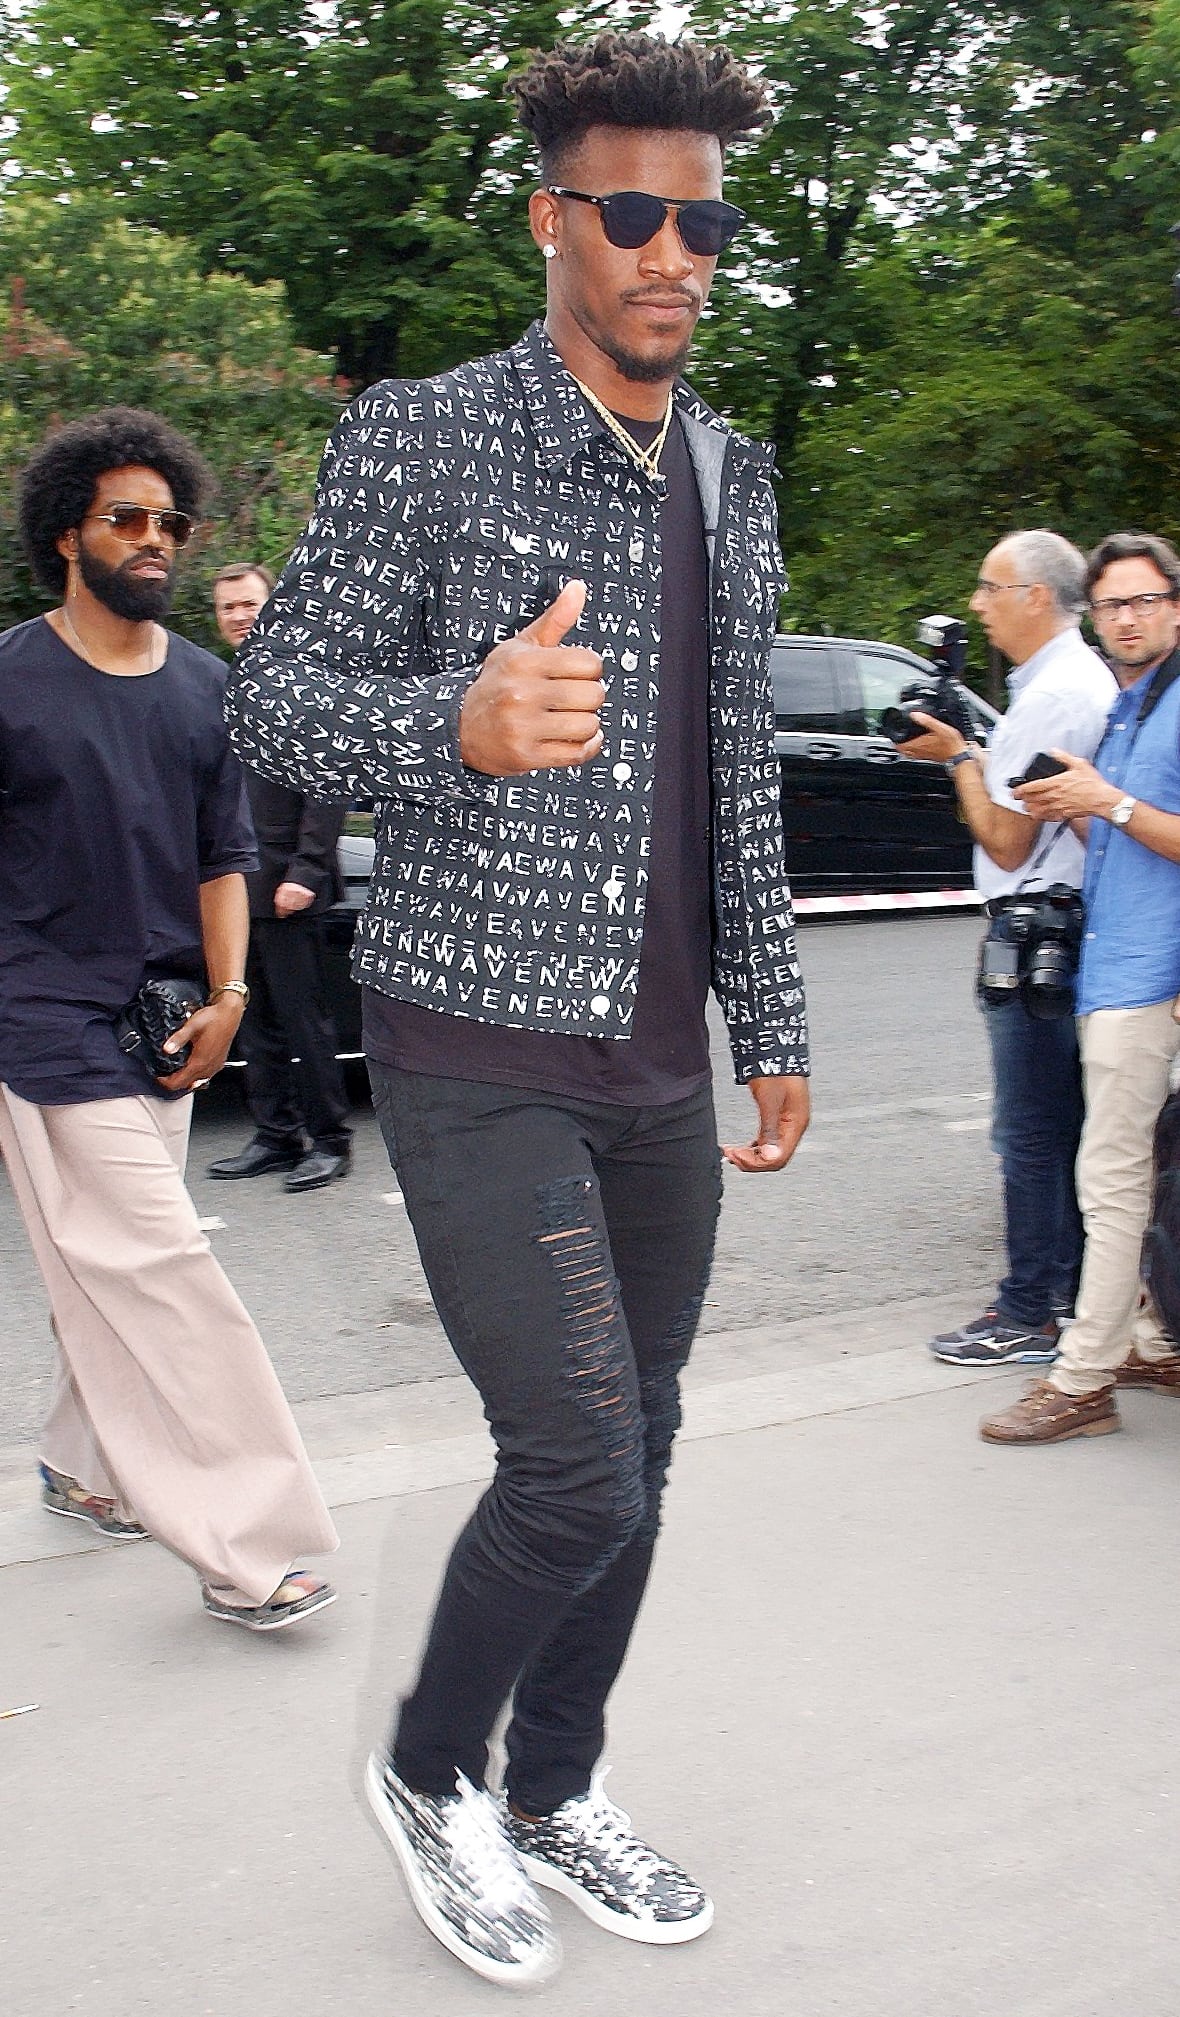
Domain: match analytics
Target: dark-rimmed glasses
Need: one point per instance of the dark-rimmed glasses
(131, 521)
(631, 218)
(1139, 605)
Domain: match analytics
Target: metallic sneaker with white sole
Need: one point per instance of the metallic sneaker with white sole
(589, 1852)
(465, 1879)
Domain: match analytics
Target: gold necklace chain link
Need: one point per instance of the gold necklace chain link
(648, 459)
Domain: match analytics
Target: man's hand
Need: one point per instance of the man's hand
(535, 703)
(784, 1109)
(291, 897)
(1075, 793)
(939, 743)
(210, 1031)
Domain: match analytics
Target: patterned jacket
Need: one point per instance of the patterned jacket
(448, 515)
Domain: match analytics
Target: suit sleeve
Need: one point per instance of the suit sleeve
(313, 863)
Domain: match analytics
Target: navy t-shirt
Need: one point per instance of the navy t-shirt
(119, 797)
(666, 1057)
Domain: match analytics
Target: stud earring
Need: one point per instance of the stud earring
(549, 251)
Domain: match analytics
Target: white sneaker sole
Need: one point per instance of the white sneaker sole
(518, 1974)
(652, 1932)
(74, 1513)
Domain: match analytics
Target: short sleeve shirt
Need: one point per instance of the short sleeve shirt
(1058, 699)
(119, 797)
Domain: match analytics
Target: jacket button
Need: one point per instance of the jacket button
(621, 773)
(599, 1004)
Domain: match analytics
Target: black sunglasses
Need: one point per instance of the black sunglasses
(631, 218)
(131, 521)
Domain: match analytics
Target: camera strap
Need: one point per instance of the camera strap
(1042, 855)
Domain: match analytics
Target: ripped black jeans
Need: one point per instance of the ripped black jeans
(567, 1247)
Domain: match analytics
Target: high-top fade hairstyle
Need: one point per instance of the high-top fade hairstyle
(641, 81)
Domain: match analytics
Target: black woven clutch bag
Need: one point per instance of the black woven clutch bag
(152, 1016)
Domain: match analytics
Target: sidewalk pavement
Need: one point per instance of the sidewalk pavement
(904, 1702)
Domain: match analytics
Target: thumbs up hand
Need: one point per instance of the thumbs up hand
(535, 703)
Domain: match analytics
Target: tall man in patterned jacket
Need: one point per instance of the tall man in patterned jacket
(531, 618)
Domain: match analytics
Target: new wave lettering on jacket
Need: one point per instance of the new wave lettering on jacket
(448, 515)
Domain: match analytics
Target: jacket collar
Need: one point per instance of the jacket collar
(563, 423)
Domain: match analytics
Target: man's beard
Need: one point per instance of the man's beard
(124, 593)
(645, 370)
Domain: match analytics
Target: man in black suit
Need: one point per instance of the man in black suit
(294, 1085)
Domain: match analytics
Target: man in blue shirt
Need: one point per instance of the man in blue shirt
(1128, 803)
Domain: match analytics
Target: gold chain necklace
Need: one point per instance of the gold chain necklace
(648, 458)
(150, 654)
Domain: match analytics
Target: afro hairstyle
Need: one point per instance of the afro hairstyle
(58, 483)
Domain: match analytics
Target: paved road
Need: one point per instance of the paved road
(893, 1195)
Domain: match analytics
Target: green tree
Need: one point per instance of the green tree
(365, 160)
(100, 312)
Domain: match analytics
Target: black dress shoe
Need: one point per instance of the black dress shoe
(256, 1158)
(318, 1166)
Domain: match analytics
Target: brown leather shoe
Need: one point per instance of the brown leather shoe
(1162, 1375)
(1043, 1415)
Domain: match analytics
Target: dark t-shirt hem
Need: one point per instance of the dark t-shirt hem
(557, 1084)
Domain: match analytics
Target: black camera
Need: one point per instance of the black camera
(945, 638)
(1032, 946)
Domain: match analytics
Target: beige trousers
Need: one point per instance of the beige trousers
(166, 1400)
(1126, 1060)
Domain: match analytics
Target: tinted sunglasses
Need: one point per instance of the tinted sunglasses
(631, 218)
(131, 521)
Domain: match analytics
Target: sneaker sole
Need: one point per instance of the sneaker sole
(1032, 1355)
(658, 1933)
(108, 1533)
(507, 1972)
(229, 1616)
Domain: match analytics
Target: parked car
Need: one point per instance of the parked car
(857, 815)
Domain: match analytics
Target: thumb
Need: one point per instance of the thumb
(551, 626)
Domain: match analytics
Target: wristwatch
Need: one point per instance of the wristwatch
(1119, 814)
(232, 987)
(962, 756)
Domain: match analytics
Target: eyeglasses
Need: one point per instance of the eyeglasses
(131, 521)
(631, 218)
(1139, 605)
(1000, 587)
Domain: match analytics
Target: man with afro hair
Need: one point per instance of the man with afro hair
(531, 618)
(124, 837)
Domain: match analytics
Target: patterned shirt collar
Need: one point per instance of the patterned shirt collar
(563, 422)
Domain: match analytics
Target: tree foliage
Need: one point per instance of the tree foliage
(100, 312)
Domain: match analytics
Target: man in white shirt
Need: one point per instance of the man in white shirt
(1029, 598)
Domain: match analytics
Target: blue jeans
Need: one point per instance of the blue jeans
(1036, 1125)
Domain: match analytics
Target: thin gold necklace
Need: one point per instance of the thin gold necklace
(70, 626)
(648, 458)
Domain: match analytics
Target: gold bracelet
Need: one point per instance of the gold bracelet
(232, 987)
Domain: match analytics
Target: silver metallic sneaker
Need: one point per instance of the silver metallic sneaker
(64, 1495)
(465, 1879)
(588, 1850)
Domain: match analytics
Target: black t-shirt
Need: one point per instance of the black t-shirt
(666, 1057)
(119, 797)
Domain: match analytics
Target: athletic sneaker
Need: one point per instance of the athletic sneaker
(588, 1850)
(466, 1880)
(64, 1495)
(990, 1342)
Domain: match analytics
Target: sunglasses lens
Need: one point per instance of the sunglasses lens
(707, 228)
(131, 521)
(632, 218)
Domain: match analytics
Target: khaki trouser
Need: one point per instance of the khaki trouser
(166, 1400)
(1126, 1059)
